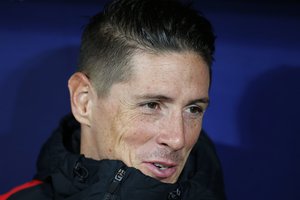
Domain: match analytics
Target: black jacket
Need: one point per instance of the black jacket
(65, 174)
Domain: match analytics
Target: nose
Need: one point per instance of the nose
(171, 132)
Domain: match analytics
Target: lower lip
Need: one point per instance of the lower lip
(160, 174)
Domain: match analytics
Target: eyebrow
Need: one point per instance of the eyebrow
(204, 100)
(158, 97)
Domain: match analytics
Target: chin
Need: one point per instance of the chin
(170, 181)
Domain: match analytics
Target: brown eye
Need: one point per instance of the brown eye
(195, 110)
(152, 105)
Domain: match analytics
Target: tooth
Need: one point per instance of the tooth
(162, 167)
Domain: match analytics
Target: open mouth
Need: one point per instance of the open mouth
(160, 170)
(160, 166)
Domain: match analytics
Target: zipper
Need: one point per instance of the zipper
(115, 184)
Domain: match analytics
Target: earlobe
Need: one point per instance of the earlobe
(81, 93)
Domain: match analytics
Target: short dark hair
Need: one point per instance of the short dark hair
(126, 27)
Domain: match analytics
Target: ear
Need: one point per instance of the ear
(81, 96)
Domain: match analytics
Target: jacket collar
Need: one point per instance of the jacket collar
(71, 173)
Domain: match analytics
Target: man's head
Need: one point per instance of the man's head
(127, 27)
(142, 85)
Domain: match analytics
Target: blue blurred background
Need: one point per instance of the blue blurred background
(254, 114)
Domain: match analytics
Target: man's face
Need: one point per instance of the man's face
(152, 121)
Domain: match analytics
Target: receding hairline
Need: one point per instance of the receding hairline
(130, 64)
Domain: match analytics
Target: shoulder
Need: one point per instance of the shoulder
(31, 190)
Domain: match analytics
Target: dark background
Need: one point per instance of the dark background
(254, 114)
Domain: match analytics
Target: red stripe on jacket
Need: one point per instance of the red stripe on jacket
(19, 188)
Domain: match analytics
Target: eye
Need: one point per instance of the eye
(195, 110)
(152, 105)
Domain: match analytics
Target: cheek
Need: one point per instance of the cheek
(192, 133)
(132, 133)
(138, 133)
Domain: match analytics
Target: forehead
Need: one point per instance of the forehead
(182, 73)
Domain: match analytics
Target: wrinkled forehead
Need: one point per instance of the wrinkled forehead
(180, 73)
